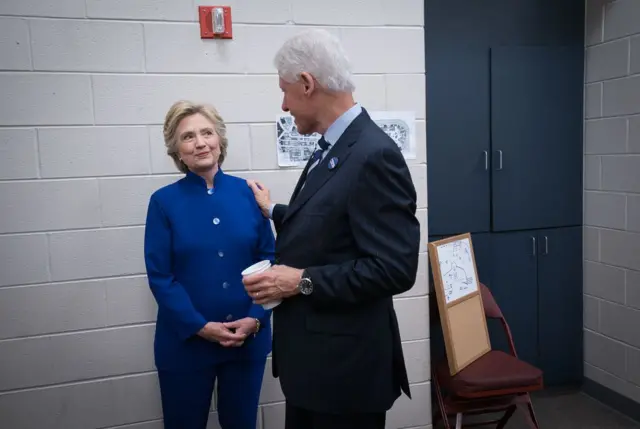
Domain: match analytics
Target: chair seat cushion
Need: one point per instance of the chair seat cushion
(495, 371)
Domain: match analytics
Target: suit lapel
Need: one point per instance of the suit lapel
(301, 180)
(321, 173)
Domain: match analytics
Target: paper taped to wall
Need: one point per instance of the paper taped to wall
(295, 149)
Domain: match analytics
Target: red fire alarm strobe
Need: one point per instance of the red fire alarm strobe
(215, 22)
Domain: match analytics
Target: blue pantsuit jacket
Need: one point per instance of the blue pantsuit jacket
(197, 242)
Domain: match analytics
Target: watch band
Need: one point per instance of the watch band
(258, 324)
(306, 284)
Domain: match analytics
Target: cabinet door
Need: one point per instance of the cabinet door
(536, 132)
(560, 299)
(437, 347)
(431, 286)
(458, 136)
(482, 251)
(514, 287)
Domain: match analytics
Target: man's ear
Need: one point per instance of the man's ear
(308, 82)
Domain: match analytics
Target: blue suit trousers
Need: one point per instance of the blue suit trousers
(186, 395)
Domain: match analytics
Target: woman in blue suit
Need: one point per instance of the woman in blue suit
(201, 232)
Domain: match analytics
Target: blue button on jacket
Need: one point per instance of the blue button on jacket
(197, 242)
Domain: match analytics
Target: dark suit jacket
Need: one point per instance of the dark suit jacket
(354, 229)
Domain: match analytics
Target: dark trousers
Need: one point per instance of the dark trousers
(186, 395)
(298, 418)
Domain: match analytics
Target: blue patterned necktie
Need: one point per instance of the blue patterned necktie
(317, 155)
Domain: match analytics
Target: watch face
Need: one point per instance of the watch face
(306, 287)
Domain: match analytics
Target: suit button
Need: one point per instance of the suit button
(216, 221)
(229, 317)
(221, 254)
(225, 285)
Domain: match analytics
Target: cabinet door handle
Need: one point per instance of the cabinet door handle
(533, 246)
(486, 159)
(546, 245)
(499, 160)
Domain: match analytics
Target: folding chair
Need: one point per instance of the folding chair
(496, 382)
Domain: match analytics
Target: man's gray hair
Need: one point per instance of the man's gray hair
(318, 53)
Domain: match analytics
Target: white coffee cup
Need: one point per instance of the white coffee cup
(261, 267)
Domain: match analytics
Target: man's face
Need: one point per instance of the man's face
(297, 100)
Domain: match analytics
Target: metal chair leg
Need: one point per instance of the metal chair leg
(440, 399)
(459, 421)
(507, 415)
(529, 414)
(532, 413)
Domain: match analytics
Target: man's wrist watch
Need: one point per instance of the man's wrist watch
(306, 285)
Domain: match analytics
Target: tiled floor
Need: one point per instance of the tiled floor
(572, 410)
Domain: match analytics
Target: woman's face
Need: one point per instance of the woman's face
(198, 143)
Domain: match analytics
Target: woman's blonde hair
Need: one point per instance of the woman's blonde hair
(183, 109)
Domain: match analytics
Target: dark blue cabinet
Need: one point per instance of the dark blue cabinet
(505, 138)
(505, 152)
(436, 340)
(515, 288)
(533, 109)
(560, 337)
(482, 252)
(458, 126)
(536, 137)
(537, 282)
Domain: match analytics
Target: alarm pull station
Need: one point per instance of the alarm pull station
(215, 22)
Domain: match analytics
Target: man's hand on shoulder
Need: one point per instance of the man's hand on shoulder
(277, 283)
(262, 195)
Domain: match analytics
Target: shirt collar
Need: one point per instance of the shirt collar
(195, 179)
(335, 131)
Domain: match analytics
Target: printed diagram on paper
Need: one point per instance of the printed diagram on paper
(294, 149)
(457, 269)
(400, 126)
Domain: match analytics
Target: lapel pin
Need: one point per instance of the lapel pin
(333, 162)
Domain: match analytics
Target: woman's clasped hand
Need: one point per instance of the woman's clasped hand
(230, 334)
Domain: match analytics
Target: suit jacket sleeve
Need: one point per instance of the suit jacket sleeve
(278, 215)
(170, 295)
(265, 250)
(386, 231)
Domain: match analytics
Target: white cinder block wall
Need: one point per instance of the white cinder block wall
(84, 88)
(612, 196)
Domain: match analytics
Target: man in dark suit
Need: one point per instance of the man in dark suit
(346, 244)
